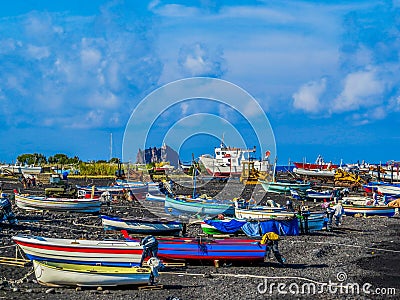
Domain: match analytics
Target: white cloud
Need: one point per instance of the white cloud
(308, 96)
(38, 52)
(90, 58)
(184, 108)
(361, 89)
(176, 10)
(198, 60)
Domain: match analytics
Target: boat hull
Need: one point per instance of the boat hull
(90, 252)
(283, 187)
(197, 207)
(58, 204)
(369, 210)
(141, 226)
(224, 249)
(62, 274)
(218, 168)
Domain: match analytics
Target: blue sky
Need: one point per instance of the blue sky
(324, 72)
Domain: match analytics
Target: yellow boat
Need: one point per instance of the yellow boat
(61, 274)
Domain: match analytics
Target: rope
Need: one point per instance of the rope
(21, 280)
(9, 246)
(345, 245)
(246, 276)
(84, 225)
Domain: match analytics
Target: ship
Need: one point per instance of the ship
(319, 164)
(227, 161)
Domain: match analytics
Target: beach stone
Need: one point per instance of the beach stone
(50, 291)
(29, 290)
(106, 292)
(99, 288)
(15, 289)
(78, 288)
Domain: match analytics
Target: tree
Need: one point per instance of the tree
(32, 159)
(114, 160)
(59, 159)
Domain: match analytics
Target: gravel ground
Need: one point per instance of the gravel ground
(362, 251)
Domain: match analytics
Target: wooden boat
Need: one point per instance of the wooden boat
(198, 206)
(209, 249)
(315, 219)
(142, 226)
(283, 187)
(315, 172)
(60, 274)
(311, 195)
(360, 200)
(319, 164)
(57, 204)
(389, 189)
(75, 251)
(369, 210)
(21, 169)
(138, 190)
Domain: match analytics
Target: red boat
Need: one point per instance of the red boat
(183, 249)
(319, 164)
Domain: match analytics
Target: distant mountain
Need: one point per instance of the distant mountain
(153, 155)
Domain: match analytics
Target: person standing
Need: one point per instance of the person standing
(375, 200)
(270, 239)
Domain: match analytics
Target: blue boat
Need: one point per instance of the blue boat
(198, 207)
(142, 226)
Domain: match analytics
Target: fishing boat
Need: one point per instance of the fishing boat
(65, 274)
(312, 195)
(369, 210)
(90, 252)
(20, 169)
(234, 249)
(138, 190)
(320, 173)
(282, 187)
(319, 164)
(389, 189)
(198, 207)
(362, 200)
(142, 226)
(57, 204)
(227, 161)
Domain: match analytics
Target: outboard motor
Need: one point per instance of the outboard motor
(6, 212)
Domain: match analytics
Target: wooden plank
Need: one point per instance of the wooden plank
(150, 287)
(11, 261)
(174, 264)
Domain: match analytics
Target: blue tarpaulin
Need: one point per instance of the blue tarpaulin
(251, 229)
(227, 227)
(281, 227)
(257, 229)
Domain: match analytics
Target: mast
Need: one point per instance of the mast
(111, 154)
(194, 176)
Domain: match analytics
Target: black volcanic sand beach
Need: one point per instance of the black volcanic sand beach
(361, 251)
